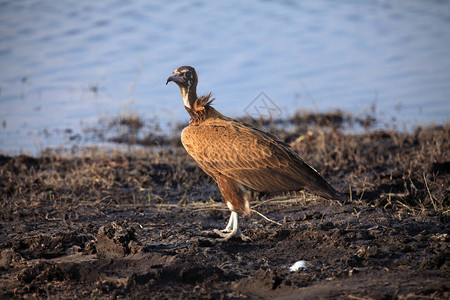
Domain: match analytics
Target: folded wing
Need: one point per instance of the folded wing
(251, 157)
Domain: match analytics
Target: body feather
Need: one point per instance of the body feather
(225, 147)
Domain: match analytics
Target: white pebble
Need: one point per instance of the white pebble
(301, 264)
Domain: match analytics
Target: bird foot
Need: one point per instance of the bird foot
(229, 234)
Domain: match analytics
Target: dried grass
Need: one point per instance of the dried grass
(387, 169)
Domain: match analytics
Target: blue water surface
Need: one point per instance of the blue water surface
(65, 64)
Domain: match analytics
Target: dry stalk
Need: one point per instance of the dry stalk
(429, 193)
(266, 218)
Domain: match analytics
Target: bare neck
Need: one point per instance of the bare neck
(200, 109)
(189, 97)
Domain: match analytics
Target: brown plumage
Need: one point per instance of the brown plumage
(235, 154)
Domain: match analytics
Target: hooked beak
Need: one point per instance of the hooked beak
(175, 78)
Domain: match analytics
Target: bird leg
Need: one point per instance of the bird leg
(230, 224)
(232, 230)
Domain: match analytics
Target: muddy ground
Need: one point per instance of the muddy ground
(136, 224)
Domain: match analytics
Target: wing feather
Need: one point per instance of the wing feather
(251, 157)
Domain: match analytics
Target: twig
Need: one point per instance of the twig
(51, 219)
(266, 218)
(355, 297)
(364, 189)
(428, 190)
(406, 206)
(350, 189)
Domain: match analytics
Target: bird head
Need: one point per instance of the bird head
(186, 78)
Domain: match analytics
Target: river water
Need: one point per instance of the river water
(65, 64)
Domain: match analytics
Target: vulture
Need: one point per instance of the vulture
(238, 155)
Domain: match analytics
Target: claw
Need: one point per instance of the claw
(225, 236)
(232, 230)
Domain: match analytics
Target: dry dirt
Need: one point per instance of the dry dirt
(136, 224)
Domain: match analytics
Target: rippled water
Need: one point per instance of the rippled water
(64, 64)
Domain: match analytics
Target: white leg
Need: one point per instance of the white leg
(232, 229)
(230, 224)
